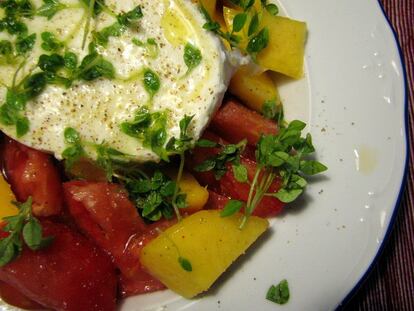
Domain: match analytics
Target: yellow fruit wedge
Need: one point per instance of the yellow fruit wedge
(254, 89)
(286, 48)
(6, 199)
(196, 195)
(189, 256)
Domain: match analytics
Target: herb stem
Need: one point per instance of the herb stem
(17, 72)
(88, 23)
(106, 9)
(255, 180)
(177, 186)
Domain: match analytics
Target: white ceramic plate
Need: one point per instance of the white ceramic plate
(354, 100)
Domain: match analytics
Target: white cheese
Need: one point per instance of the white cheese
(96, 109)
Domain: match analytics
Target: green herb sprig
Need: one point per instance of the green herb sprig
(180, 146)
(258, 39)
(283, 155)
(22, 228)
(124, 21)
(218, 163)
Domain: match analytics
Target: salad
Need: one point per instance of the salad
(143, 145)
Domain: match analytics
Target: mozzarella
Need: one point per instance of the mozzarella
(96, 109)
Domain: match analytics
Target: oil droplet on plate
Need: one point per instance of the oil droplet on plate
(365, 160)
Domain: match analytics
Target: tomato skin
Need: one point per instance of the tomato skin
(234, 122)
(32, 173)
(143, 282)
(105, 214)
(13, 297)
(216, 201)
(71, 274)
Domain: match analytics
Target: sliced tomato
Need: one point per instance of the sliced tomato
(13, 297)
(32, 173)
(216, 201)
(234, 122)
(142, 282)
(71, 274)
(105, 214)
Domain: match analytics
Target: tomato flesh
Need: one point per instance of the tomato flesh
(14, 297)
(31, 173)
(234, 122)
(105, 214)
(71, 274)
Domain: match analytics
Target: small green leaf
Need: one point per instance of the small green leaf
(32, 234)
(50, 8)
(247, 4)
(206, 166)
(240, 173)
(25, 44)
(114, 30)
(71, 60)
(205, 143)
(272, 8)
(94, 66)
(167, 190)
(6, 48)
(288, 196)
(16, 100)
(232, 207)
(7, 252)
(258, 42)
(185, 264)
(311, 167)
(8, 115)
(280, 293)
(127, 19)
(296, 125)
(181, 200)
(254, 25)
(71, 136)
(239, 21)
(50, 42)
(14, 26)
(151, 82)
(192, 56)
(22, 126)
(35, 84)
(51, 63)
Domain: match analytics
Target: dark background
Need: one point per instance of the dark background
(390, 286)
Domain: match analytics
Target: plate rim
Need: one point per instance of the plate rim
(397, 206)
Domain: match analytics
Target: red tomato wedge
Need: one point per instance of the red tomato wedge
(32, 173)
(216, 201)
(105, 214)
(71, 274)
(143, 282)
(15, 298)
(234, 122)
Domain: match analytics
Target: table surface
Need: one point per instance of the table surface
(391, 283)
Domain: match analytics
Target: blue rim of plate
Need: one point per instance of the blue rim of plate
(397, 206)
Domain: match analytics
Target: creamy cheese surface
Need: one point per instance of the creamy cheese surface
(97, 109)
